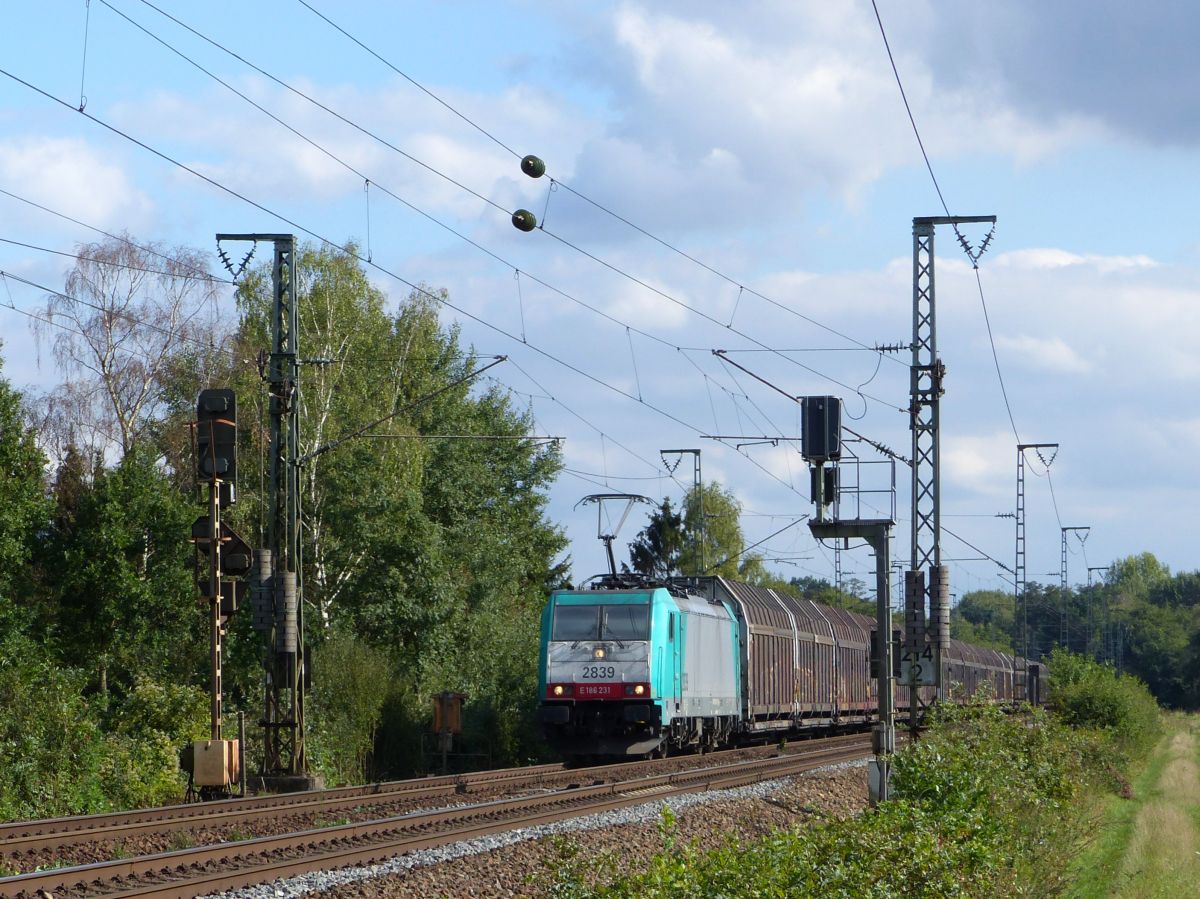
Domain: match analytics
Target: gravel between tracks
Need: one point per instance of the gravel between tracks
(514, 863)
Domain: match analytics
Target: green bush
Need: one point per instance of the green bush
(1087, 694)
(351, 682)
(63, 752)
(146, 728)
(51, 744)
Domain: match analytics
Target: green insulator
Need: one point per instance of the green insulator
(524, 220)
(533, 166)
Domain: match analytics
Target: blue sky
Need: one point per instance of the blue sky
(770, 144)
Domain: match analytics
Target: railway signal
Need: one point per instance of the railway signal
(821, 428)
(216, 439)
(214, 764)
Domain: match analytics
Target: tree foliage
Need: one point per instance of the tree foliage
(426, 534)
(125, 311)
(118, 573)
(658, 548)
(704, 536)
(427, 550)
(24, 510)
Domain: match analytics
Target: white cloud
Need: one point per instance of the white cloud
(70, 176)
(724, 121)
(1047, 258)
(1045, 353)
(983, 464)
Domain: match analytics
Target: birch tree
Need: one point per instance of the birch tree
(124, 312)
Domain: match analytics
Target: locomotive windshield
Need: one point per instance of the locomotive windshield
(626, 623)
(623, 622)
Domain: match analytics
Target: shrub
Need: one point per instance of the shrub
(51, 745)
(1087, 694)
(351, 682)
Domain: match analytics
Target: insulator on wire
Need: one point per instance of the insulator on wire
(524, 220)
(533, 166)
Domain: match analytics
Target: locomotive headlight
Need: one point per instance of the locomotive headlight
(558, 690)
(639, 690)
(598, 652)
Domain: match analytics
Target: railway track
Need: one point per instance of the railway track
(19, 838)
(30, 843)
(212, 868)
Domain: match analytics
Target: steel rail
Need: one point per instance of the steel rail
(60, 833)
(198, 810)
(22, 838)
(188, 872)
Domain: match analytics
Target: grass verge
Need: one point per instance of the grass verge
(1149, 845)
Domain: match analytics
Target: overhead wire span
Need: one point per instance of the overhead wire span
(359, 174)
(132, 319)
(108, 234)
(12, 307)
(972, 253)
(470, 241)
(87, 22)
(599, 431)
(559, 183)
(297, 92)
(706, 316)
(136, 268)
(384, 270)
(908, 108)
(408, 78)
(747, 549)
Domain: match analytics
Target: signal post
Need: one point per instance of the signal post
(821, 426)
(215, 764)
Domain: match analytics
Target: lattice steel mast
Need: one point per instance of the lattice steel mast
(278, 580)
(925, 381)
(1019, 573)
(1064, 638)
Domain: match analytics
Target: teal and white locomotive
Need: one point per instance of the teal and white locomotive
(638, 670)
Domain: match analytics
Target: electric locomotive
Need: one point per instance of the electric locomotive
(635, 670)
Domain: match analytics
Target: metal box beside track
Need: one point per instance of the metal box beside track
(215, 763)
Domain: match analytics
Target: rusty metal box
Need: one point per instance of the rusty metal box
(215, 763)
(447, 712)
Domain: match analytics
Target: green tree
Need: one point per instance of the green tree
(119, 575)
(423, 526)
(657, 549)
(25, 509)
(714, 542)
(703, 537)
(1136, 576)
(351, 682)
(985, 618)
(126, 310)
(820, 590)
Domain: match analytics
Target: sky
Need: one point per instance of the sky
(719, 176)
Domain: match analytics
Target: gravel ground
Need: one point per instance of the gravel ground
(515, 863)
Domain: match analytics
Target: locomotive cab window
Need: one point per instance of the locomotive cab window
(626, 623)
(577, 623)
(619, 623)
